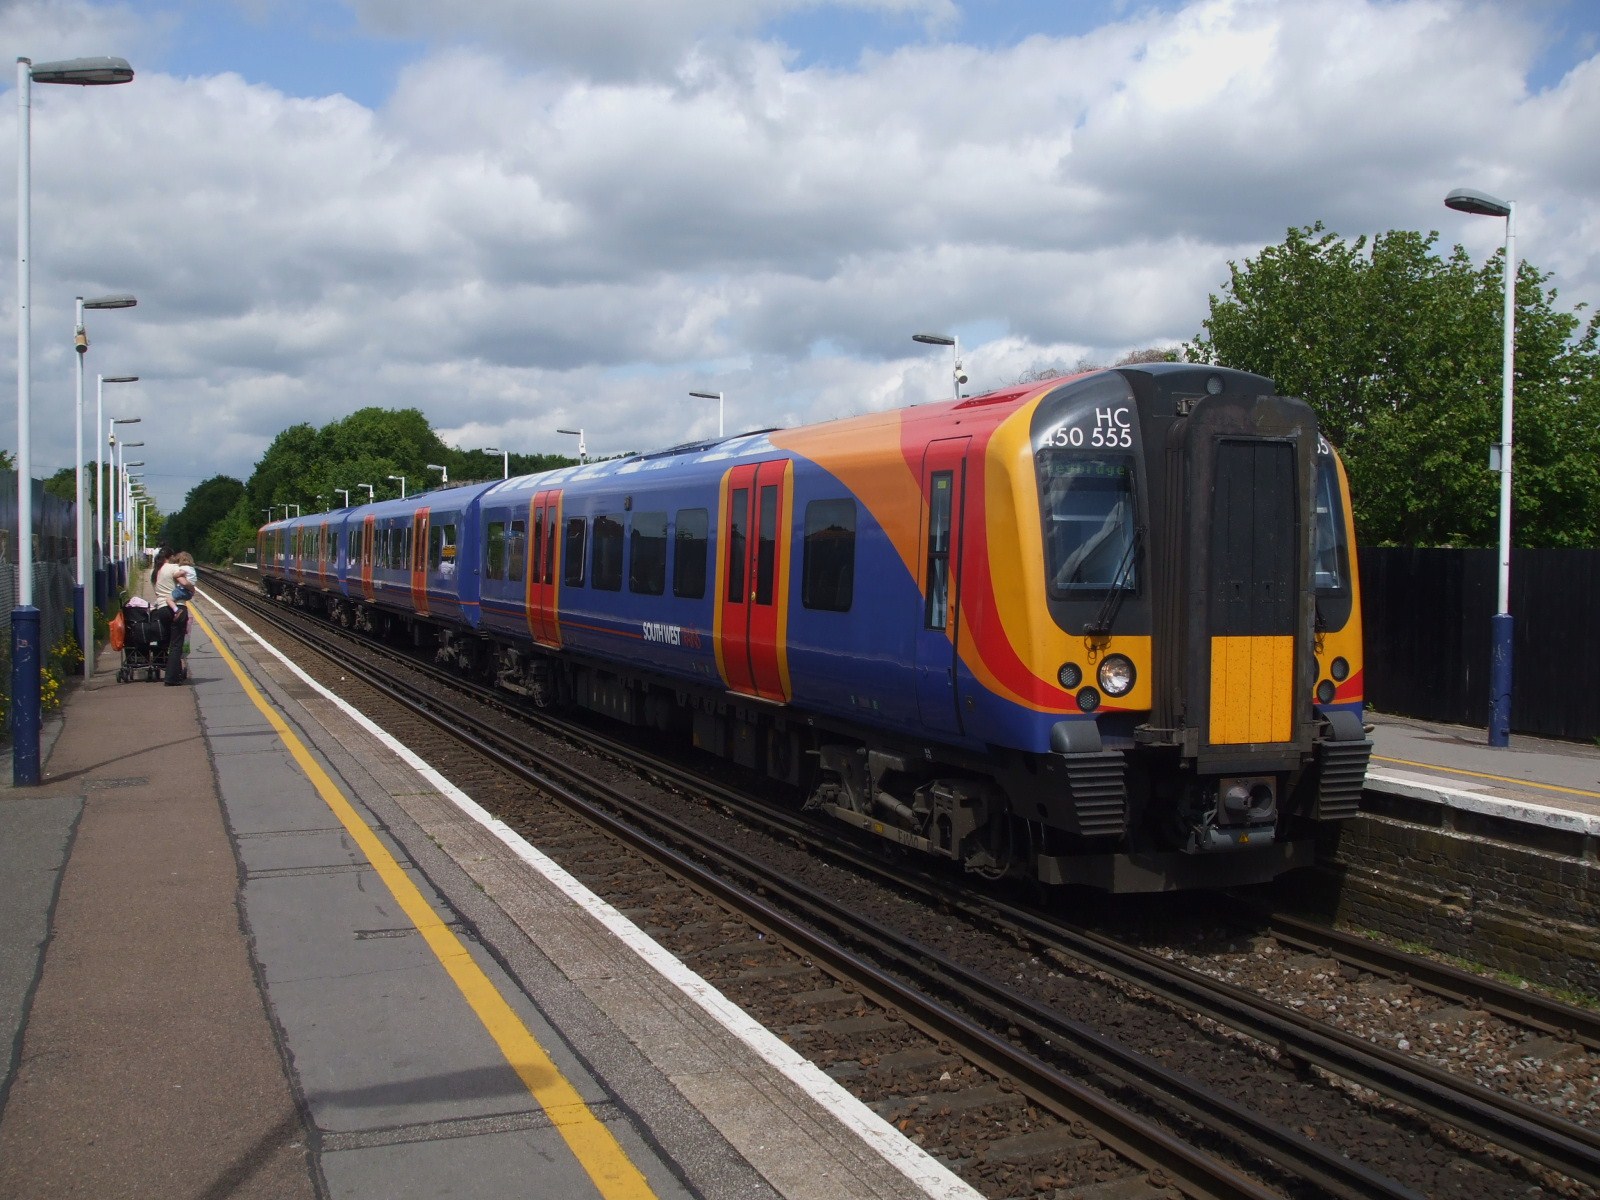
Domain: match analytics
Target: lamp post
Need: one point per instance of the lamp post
(102, 527)
(345, 492)
(84, 621)
(120, 512)
(1481, 204)
(287, 507)
(583, 451)
(25, 617)
(368, 486)
(717, 396)
(939, 339)
(402, 481)
(444, 473)
(505, 460)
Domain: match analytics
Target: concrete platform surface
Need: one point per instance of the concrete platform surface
(249, 947)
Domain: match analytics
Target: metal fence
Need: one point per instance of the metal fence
(1427, 613)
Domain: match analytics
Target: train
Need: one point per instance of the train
(1102, 630)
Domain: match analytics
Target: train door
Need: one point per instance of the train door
(944, 471)
(544, 526)
(369, 538)
(419, 561)
(753, 580)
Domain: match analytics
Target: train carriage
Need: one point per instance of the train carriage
(1101, 630)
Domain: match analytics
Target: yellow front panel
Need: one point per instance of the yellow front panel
(1252, 690)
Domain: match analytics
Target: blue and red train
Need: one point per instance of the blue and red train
(1100, 630)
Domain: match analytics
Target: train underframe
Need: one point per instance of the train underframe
(1140, 820)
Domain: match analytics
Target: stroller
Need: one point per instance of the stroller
(144, 646)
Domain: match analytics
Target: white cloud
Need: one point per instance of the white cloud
(511, 248)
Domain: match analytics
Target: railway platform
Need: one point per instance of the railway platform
(1533, 781)
(249, 948)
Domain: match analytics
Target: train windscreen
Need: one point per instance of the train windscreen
(1088, 521)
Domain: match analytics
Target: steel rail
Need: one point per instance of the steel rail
(1504, 1000)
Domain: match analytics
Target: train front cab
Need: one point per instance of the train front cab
(1237, 758)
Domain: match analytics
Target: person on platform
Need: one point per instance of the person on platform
(173, 615)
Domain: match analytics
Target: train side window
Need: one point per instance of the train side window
(738, 508)
(689, 547)
(442, 548)
(519, 549)
(828, 566)
(538, 544)
(355, 545)
(577, 528)
(1331, 551)
(606, 569)
(767, 544)
(494, 551)
(936, 606)
(647, 554)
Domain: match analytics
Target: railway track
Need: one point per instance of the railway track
(1148, 1112)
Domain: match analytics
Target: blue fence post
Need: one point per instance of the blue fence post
(24, 695)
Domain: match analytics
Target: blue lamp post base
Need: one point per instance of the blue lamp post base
(1500, 680)
(24, 696)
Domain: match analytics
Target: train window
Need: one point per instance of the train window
(936, 604)
(689, 553)
(576, 529)
(442, 548)
(494, 551)
(538, 544)
(829, 558)
(1088, 521)
(1331, 551)
(548, 574)
(647, 554)
(518, 546)
(738, 509)
(767, 545)
(606, 569)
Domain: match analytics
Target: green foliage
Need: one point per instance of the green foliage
(207, 503)
(63, 485)
(1399, 352)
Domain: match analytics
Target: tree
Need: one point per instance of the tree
(207, 503)
(1399, 352)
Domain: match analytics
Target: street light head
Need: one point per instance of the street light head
(493, 450)
(1480, 204)
(86, 72)
(126, 420)
(933, 339)
(122, 300)
(573, 432)
(706, 395)
(119, 379)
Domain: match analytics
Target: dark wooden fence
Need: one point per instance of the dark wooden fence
(1427, 636)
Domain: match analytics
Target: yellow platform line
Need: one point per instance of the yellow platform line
(1528, 783)
(597, 1151)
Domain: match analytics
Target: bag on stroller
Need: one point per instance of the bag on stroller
(143, 642)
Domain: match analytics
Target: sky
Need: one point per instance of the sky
(520, 216)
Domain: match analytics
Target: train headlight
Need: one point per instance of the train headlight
(1326, 692)
(1339, 669)
(1088, 700)
(1116, 675)
(1070, 675)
